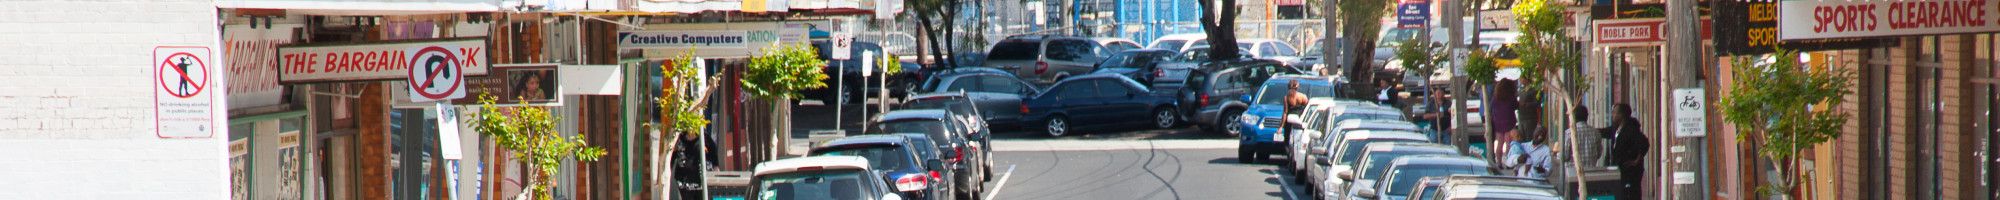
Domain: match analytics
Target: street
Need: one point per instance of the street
(1149, 164)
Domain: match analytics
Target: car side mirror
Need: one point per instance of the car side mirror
(1318, 150)
(1347, 175)
(1365, 193)
(891, 196)
(1245, 98)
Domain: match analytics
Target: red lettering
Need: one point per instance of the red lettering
(468, 56)
(332, 62)
(399, 61)
(310, 57)
(292, 63)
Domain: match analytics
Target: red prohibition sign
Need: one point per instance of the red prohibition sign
(188, 87)
(416, 63)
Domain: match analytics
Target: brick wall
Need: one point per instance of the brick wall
(76, 113)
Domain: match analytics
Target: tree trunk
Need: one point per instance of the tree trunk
(1218, 19)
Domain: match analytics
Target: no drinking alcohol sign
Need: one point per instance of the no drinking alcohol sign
(184, 102)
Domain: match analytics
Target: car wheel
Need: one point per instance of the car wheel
(1262, 156)
(1243, 154)
(1057, 126)
(1164, 118)
(1228, 122)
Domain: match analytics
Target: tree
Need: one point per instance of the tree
(784, 71)
(1422, 59)
(1360, 23)
(937, 19)
(1218, 20)
(1546, 50)
(680, 104)
(1786, 108)
(529, 134)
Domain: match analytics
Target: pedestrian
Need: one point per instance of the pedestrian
(1437, 113)
(687, 166)
(1628, 151)
(1530, 156)
(1387, 93)
(1294, 104)
(1580, 151)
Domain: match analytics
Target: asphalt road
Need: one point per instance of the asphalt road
(1133, 169)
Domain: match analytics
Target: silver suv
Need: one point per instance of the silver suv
(1043, 60)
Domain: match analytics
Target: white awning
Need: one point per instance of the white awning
(695, 6)
(372, 7)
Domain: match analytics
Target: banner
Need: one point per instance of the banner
(1750, 28)
(373, 61)
(1413, 14)
(1855, 19)
(252, 63)
(713, 40)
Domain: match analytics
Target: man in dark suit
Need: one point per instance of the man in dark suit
(1628, 151)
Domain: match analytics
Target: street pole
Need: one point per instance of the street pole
(1685, 158)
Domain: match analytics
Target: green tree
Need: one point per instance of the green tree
(1422, 58)
(680, 104)
(529, 134)
(784, 71)
(1546, 50)
(1480, 67)
(1785, 108)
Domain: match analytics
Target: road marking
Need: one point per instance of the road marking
(1285, 185)
(1001, 184)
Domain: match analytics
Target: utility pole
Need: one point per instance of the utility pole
(1684, 158)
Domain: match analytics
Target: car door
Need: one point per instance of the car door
(1193, 87)
(1068, 56)
(1079, 100)
(1231, 84)
(1119, 102)
(999, 96)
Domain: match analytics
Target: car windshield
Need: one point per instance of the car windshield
(826, 184)
(880, 157)
(1408, 175)
(1377, 159)
(921, 140)
(1351, 150)
(1430, 191)
(1363, 116)
(1015, 50)
(1275, 91)
(1396, 36)
(946, 103)
(931, 127)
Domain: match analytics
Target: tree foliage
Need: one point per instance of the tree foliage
(1786, 108)
(1480, 67)
(1546, 50)
(529, 134)
(784, 71)
(678, 101)
(1421, 57)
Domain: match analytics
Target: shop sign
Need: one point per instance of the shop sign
(1496, 20)
(251, 56)
(183, 99)
(1626, 31)
(712, 40)
(1750, 28)
(375, 61)
(1855, 19)
(1413, 13)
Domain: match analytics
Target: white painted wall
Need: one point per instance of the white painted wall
(76, 111)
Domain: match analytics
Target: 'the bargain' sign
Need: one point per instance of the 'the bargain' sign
(373, 61)
(1848, 19)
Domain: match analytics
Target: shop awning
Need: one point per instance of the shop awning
(695, 6)
(367, 7)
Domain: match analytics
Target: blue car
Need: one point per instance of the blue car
(1260, 123)
(1098, 100)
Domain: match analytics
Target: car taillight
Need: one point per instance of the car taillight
(1024, 108)
(1204, 100)
(912, 182)
(935, 175)
(1041, 66)
(1157, 73)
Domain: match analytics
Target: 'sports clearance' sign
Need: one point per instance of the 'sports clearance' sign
(1849, 19)
(375, 61)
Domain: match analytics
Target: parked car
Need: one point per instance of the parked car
(1148, 66)
(967, 185)
(1404, 172)
(1212, 99)
(1260, 123)
(1296, 158)
(1495, 187)
(1099, 100)
(1114, 45)
(894, 158)
(969, 114)
(1178, 42)
(1273, 49)
(950, 137)
(1199, 54)
(997, 93)
(820, 177)
(1426, 188)
(1341, 158)
(1044, 59)
(1368, 166)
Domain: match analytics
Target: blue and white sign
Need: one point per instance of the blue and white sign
(1413, 14)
